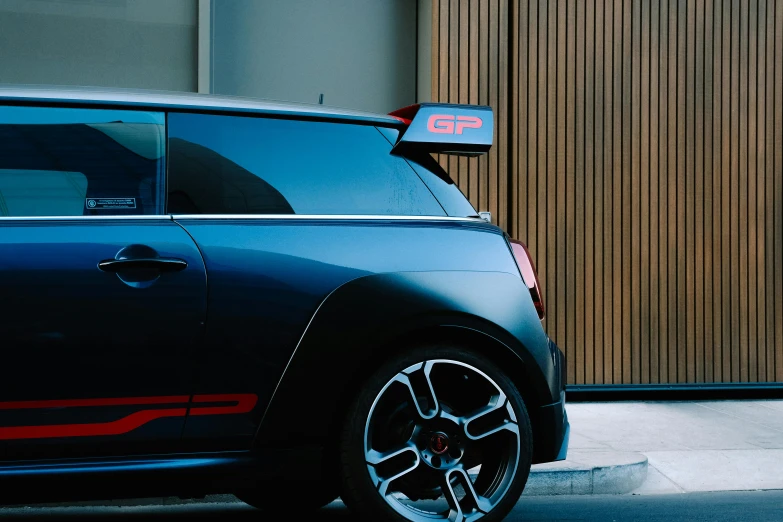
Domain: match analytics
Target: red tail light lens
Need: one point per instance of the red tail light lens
(528, 269)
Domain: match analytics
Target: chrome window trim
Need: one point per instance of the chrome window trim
(166, 217)
(322, 217)
(326, 217)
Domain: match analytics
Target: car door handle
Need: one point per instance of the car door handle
(161, 264)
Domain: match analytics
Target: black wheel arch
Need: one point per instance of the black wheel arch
(367, 320)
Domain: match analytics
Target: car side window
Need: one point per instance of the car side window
(58, 161)
(254, 165)
(437, 180)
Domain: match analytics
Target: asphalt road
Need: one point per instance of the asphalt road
(746, 506)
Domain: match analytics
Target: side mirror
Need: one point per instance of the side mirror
(486, 216)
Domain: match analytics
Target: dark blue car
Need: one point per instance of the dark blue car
(285, 302)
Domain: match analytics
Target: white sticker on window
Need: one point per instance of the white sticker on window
(110, 203)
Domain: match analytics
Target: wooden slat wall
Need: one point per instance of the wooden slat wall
(639, 153)
(470, 43)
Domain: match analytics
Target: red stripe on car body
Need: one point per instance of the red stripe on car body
(118, 427)
(79, 403)
(245, 402)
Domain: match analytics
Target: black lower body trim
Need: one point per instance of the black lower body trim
(551, 431)
(184, 475)
(674, 392)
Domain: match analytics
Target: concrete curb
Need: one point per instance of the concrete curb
(589, 473)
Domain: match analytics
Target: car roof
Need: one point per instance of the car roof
(170, 100)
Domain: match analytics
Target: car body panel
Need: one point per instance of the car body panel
(71, 331)
(263, 295)
(347, 339)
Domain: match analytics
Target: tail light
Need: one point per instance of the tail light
(528, 269)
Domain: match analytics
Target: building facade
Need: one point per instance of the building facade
(638, 144)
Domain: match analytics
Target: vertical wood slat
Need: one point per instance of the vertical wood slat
(709, 344)
(540, 234)
(735, 123)
(570, 187)
(441, 10)
(453, 83)
(663, 193)
(579, 253)
(681, 154)
(598, 197)
(717, 122)
(617, 192)
(560, 210)
(478, 190)
(483, 72)
(589, 177)
(675, 197)
(778, 168)
(493, 59)
(729, 289)
(645, 207)
(743, 173)
(770, 149)
(689, 175)
(654, 219)
(765, 269)
(635, 188)
(697, 47)
(751, 198)
(608, 139)
(551, 168)
(627, 176)
(503, 92)
(638, 153)
(518, 98)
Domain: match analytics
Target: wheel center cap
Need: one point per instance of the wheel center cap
(439, 443)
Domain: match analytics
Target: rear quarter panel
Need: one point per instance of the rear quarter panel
(267, 277)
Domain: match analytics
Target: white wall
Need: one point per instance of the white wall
(109, 43)
(360, 54)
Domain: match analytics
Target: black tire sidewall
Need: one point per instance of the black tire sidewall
(359, 493)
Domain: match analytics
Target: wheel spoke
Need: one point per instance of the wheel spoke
(455, 514)
(472, 505)
(378, 458)
(417, 379)
(374, 457)
(497, 404)
(383, 483)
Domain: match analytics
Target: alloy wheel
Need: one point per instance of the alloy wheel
(442, 442)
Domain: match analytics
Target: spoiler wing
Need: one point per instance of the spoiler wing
(462, 130)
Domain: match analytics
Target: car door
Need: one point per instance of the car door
(234, 184)
(102, 296)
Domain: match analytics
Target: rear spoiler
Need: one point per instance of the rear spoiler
(461, 130)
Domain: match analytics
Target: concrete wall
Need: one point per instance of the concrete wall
(109, 43)
(359, 54)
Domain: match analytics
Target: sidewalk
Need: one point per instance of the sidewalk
(690, 446)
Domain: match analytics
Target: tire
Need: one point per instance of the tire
(276, 498)
(399, 454)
